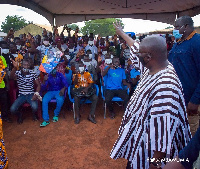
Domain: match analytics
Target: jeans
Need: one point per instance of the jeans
(109, 94)
(46, 99)
(23, 99)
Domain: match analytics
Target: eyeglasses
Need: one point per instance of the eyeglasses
(179, 27)
(139, 53)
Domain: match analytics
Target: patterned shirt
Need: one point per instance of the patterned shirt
(26, 82)
(135, 60)
(3, 154)
(155, 120)
(83, 80)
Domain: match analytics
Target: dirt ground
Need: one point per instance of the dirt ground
(64, 145)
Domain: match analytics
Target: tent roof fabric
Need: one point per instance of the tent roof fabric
(69, 11)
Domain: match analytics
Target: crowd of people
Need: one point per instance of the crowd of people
(162, 77)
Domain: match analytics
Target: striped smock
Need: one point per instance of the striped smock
(155, 120)
(135, 60)
(26, 82)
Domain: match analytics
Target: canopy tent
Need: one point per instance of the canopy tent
(60, 12)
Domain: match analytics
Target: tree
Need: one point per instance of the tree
(15, 22)
(72, 26)
(104, 27)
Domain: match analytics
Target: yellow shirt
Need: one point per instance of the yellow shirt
(83, 79)
(3, 154)
(2, 63)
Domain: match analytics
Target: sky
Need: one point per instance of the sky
(130, 25)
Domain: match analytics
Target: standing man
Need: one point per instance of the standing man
(155, 124)
(185, 57)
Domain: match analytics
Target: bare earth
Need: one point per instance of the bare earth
(64, 145)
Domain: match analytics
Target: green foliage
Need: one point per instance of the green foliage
(72, 26)
(15, 22)
(104, 27)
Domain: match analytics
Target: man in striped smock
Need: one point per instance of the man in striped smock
(154, 127)
(26, 78)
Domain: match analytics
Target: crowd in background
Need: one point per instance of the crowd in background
(118, 64)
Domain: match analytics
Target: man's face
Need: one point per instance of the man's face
(13, 48)
(178, 25)
(58, 43)
(17, 42)
(115, 61)
(85, 44)
(102, 41)
(25, 65)
(71, 46)
(38, 39)
(86, 58)
(144, 55)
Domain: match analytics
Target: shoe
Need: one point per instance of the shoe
(112, 115)
(19, 120)
(55, 118)
(44, 124)
(77, 120)
(92, 119)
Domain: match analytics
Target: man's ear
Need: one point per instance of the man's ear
(149, 56)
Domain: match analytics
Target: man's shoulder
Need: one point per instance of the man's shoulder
(196, 38)
(120, 69)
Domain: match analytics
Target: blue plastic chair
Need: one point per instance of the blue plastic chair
(82, 100)
(114, 99)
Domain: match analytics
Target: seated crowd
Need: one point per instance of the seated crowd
(85, 62)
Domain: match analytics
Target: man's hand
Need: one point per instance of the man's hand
(118, 27)
(62, 92)
(35, 97)
(15, 63)
(128, 86)
(192, 109)
(46, 77)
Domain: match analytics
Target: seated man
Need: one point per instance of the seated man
(83, 84)
(57, 84)
(25, 81)
(90, 68)
(115, 76)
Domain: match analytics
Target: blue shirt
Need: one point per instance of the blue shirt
(55, 83)
(114, 78)
(134, 73)
(185, 58)
(191, 151)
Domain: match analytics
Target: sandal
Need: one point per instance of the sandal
(55, 118)
(44, 124)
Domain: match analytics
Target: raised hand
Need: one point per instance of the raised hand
(118, 27)
(15, 63)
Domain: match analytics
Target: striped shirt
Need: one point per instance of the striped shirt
(155, 120)
(135, 60)
(26, 83)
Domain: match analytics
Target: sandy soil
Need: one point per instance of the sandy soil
(64, 145)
